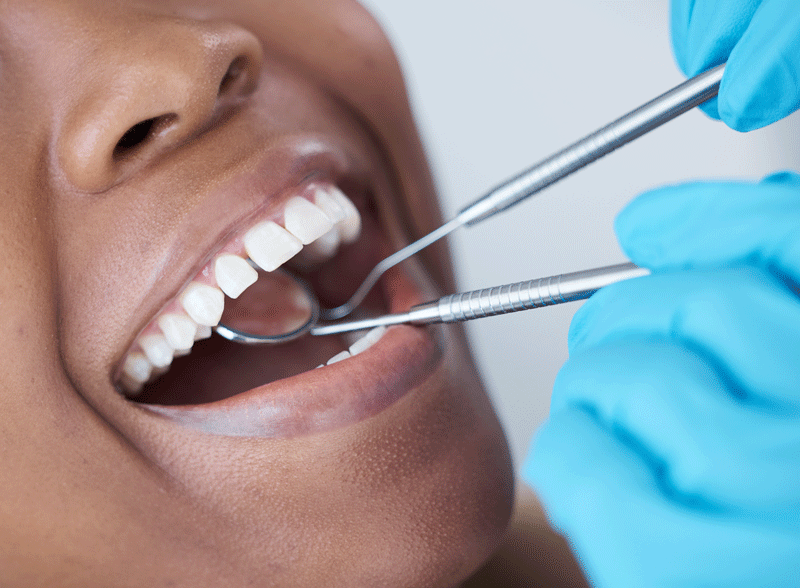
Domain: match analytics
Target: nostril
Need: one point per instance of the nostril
(140, 133)
(237, 70)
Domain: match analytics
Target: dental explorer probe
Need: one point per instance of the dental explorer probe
(644, 119)
(498, 300)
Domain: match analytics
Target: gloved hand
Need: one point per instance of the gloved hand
(672, 453)
(760, 39)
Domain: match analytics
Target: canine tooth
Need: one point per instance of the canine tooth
(350, 226)
(305, 220)
(339, 357)
(234, 275)
(367, 340)
(270, 245)
(157, 350)
(179, 330)
(203, 303)
(182, 352)
(137, 367)
(203, 332)
(329, 205)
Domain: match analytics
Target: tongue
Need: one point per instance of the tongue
(276, 304)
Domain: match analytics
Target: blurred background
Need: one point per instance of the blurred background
(497, 87)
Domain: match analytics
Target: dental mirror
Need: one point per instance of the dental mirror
(277, 308)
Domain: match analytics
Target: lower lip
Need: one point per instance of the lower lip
(328, 398)
(321, 400)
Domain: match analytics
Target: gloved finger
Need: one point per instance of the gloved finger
(704, 33)
(742, 319)
(709, 448)
(701, 224)
(760, 84)
(601, 493)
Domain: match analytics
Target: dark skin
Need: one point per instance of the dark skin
(96, 491)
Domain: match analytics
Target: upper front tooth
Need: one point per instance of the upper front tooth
(203, 303)
(350, 226)
(329, 205)
(157, 350)
(270, 245)
(234, 275)
(179, 330)
(305, 220)
(339, 357)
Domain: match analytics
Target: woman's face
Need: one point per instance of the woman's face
(141, 142)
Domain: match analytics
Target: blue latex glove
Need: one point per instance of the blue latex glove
(672, 453)
(760, 39)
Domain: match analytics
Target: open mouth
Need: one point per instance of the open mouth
(331, 237)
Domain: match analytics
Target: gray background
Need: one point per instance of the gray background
(495, 89)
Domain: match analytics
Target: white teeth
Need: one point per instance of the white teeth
(321, 226)
(179, 330)
(339, 357)
(233, 274)
(305, 220)
(270, 245)
(137, 367)
(350, 226)
(367, 340)
(203, 332)
(157, 350)
(329, 205)
(360, 346)
(203, 303)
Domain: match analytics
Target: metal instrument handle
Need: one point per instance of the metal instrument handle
(498, 300)
(644, 119)
(527, 295)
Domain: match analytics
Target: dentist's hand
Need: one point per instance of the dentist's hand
(672, 452)
(760, 39)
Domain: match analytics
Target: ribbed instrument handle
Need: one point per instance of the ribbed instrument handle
(526, 295)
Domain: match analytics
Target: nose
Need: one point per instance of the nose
(146, 95)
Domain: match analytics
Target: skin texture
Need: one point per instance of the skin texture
(93, 493)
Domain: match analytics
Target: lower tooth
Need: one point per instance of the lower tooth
(367, 340)
(339, 357)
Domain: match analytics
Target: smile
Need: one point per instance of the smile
(176, 370)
